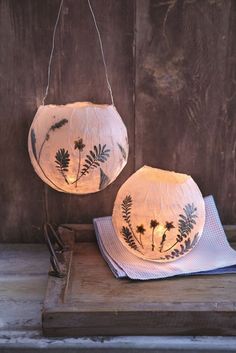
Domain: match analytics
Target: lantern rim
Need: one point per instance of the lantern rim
(157, 174)
(78, 104)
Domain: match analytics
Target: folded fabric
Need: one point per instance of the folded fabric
(212, 254)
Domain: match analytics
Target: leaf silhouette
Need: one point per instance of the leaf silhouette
(93, 160)
(128, 237)
(184, 248)
(104, 180)
(55, 126)
(59, 124)
(126, 208)
(186, 224)
(186, 221)
(62, 160)
(126, 214)
(123, 152)
(33, 142)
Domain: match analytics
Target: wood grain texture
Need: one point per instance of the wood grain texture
(172, 68)
(57, 287)
(77, 74)
(23, 277)
(185, 93)
(96, 303)
(23, 281)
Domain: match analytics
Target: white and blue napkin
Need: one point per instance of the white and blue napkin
(212, 254)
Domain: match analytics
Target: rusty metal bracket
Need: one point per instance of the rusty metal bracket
(56, 248)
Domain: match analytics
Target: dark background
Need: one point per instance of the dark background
(172, 67)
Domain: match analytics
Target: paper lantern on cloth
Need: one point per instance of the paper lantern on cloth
(159, 215)
(78, 148)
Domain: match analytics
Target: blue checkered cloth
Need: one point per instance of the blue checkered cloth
(212, 254)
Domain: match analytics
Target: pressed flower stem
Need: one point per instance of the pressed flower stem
(140, 243)
(49, 178)
(163, 240)
(79, 165)
(171, 247)
(38, 160)
(83, 173)
(153, 245)
(131, 229)
(64, 176)
(140, 239)
(44, 141)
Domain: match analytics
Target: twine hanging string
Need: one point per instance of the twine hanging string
(101, 47)
(52, 51)
(53, 46)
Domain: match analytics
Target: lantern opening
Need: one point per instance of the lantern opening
(162, 176)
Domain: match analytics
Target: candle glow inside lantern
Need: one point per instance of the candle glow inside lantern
(78, 148)
(159, 215)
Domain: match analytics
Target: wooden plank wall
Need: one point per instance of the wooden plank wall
(77, 74)
(172, 69)
(186, 93)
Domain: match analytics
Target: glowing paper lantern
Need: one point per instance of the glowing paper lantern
(78, 148)
(159, 215)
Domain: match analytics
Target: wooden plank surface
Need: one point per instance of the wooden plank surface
(20, 322)
(77, 73)
(185, 93)
(31, 342)
(23, 281)
(98, 304)
(57, 287)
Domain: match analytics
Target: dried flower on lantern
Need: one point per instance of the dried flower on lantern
(78, 148)
(166, 207)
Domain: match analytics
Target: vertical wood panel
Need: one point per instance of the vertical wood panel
(77, 74)
(185, 96)
(185, 93)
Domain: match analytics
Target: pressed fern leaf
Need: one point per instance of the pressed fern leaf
(187, 221)
(184, 248)
(62, 160)
(99, 155)
(104, 180)
(126, 214)
(128, 237)
(126, 208)
(122, 150)
(33, 142)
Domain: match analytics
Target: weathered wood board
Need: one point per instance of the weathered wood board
(185, 117)
(95, 303)
(23, 270)
(23, 282)
(77, 73)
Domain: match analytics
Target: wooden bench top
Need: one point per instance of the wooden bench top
(23, 281)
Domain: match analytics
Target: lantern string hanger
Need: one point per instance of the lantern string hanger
(51, 54)
(103, 57)
(53, 46)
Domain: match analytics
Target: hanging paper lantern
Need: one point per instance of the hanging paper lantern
(159, 215)
(78, 148)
